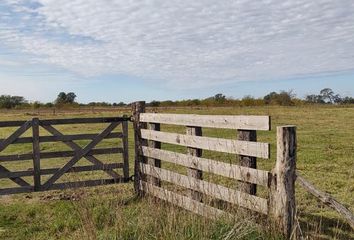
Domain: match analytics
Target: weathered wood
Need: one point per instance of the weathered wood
(282, 194)
(77, 157)
(255, 149)
(78, 149)
(82, 120)
(137, 109)
(154, 161)
(49, 171)
(61, 186)
(211, 121)
(16, 190)
(327, 199)
(36, 154)
(65, 138)
(236, 197)
(247, 161)
(256, 176)
(182, 201)
(194, 172)
(14, 135)
(11, 123)
(126, 150)
(60, 154)
(17, 180)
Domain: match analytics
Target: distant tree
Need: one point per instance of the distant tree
(70, 97)
(65, 98)
(8, 101)
(283, 98)
(220, 98)
(313, 98)
(327, 95)
(154, 103)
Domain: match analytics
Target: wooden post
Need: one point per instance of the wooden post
(192, 172)
(282, 195)
(36, 154)
(153, 161)
(125, 150)
(247, 161)
(137, 108)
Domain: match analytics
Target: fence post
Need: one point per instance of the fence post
(282, 196)
(192, 172)
(153, 161)
(36, 154)
(125, 150)
(247, 161)
(137, 108)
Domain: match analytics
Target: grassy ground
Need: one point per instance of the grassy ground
(325, 157)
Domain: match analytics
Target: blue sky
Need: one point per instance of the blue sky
(112, 50)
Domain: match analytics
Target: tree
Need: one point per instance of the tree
(8, 101)
(70, 97)
(219, 98)
(327, 94)
(65, 98)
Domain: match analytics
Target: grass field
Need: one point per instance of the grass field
(325, 157)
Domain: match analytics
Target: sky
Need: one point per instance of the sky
(129, 50)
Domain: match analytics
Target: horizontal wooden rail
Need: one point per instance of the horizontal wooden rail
(254, 149)
(65, 138)
(82, 120)
(211, 121)
(11, 123)
(53, 170)
(251, 175)
(60, 154)
(236, 197)
(182, 201)
(65, 185)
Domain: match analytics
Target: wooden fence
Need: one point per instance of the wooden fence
(76, 153)
(149, 174)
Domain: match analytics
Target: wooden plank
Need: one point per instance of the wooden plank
(210, 121)
(247, 161)
(12, 123)
(282, 195)
(60, 154)
(82, 120)
(125, 150)
(236, 197)
(16, 190)
(36, 154)
(254, 149)
(77, 157)
(194, 172)
(78, 149)
(14, 135)
(182, 201)
(17, 180)
(256, 176)
(65, 138)
(327, 199)
(53, 170)
(154, 161)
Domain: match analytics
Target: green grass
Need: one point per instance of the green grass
(325, 157)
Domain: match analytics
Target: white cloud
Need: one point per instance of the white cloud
(185, 42)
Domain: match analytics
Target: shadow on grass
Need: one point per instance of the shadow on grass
(322, 227)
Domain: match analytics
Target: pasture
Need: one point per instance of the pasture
(325, 157)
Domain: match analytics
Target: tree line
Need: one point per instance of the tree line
(282, 98)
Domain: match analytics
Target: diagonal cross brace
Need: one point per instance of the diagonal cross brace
(5, 143)
(79, 155)
(77, 148)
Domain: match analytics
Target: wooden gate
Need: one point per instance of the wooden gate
(193, 193)
(35, 178)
